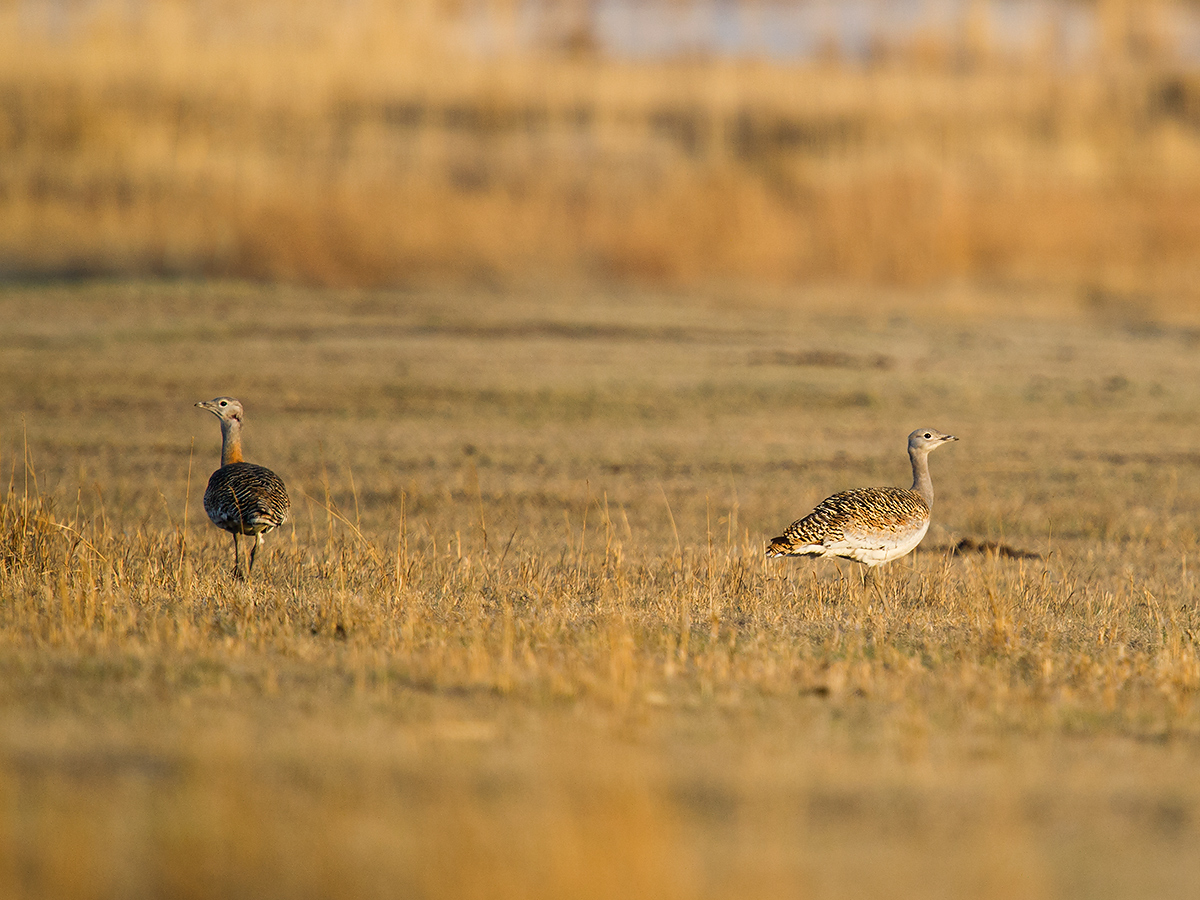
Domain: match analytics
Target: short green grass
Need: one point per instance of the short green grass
(519, 639)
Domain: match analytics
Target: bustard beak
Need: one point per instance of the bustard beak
(950, 437)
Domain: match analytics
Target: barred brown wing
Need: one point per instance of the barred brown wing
(864, 511)
(245, 498)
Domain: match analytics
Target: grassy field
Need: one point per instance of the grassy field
(376, 144)
(520, 640)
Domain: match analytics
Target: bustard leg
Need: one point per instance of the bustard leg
(237, 563)
(871, 578)
(254, 550)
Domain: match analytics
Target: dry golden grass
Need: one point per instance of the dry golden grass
(369, 144)
(520, 639)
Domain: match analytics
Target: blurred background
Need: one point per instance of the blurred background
(382, 142)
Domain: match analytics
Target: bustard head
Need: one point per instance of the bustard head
(224, 408)
(925, 439)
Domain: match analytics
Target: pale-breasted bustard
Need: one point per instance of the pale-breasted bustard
(242, 498)
(869, 525)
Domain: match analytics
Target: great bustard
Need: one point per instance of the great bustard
(869, 525)
(242, 498)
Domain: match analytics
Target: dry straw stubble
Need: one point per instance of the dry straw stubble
(528, 622)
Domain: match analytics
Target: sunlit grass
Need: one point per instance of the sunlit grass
(371, 145)
(520, 639)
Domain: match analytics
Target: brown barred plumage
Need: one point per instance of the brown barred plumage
(869, 525)
(246, 498)
(242, 498)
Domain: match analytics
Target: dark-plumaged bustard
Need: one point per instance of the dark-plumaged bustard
(242, 498)
(869, 525)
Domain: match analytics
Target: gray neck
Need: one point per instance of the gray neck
(231, 441)
(922, 484)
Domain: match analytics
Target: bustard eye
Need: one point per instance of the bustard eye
(928, 436)
(225, 403)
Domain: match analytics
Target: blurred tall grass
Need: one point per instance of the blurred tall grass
(386, 142)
